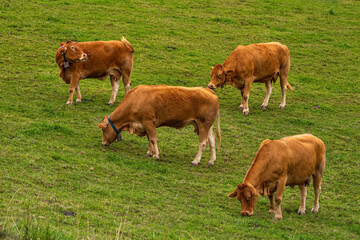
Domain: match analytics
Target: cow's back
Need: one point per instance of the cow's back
(254, 51)
(261, 60)
(305, 145)
(307, 155)
(296, 157)
(103, 58)
(167, 103)
(103, 53)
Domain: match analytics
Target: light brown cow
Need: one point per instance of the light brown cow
(98, 59)
(288, 161)
(146, 108)
(261, 63)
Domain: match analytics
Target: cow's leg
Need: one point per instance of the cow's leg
(150, 129)
(278, 197)
(115, 88)
(203, 138)
(317, 190)
(272, 205)
(246, 95)
(269, 89)
(74, 83)
(283, 83)
(211, 140)
(126, 80)
(241, 107)
(303, 193)
(317, 183)
(78, 93)
(150, 149)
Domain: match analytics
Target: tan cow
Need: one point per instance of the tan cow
(146, 108)
(288, 161)
(99, 59)
(261, 63)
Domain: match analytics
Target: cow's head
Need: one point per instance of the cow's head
(72, 52)
(247, 195)
(218, 76)
(109, 134)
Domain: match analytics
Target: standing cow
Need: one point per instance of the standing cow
(262, 63)
(288, 161)
(146, 108)
(98, 59)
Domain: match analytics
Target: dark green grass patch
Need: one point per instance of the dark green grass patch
(55, 172)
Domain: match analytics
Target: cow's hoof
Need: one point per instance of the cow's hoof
(110, 103)
(210, 164)
(78, 101)
(314, 211)
(148, 155)
(246, 113)
(240, 107)
(278, 217)
(156, 157)
(301, 213)
(282, 106)
(194, 164)
(263, 107)
(271, 211)
(69, 103)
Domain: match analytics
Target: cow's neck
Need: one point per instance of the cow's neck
(255, 174)
(116, 117)
(121, 118)
(231, 76)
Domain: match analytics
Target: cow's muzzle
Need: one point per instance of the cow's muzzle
(83, 58)
(211, 86)
(246, 213)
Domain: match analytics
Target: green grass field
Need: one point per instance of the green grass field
(58, 182)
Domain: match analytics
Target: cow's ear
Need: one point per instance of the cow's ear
(62, 44)
(233, 194)
(227, 72)
(69, 41)
(104, 123)
(63, 49)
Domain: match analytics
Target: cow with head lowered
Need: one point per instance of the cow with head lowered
(261, 63)
(97, 59)
(288, 161)
(147, 107)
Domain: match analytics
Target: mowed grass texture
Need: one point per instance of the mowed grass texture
(58, 182)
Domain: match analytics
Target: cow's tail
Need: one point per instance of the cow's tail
(218, 134)
(127, 44)
(286, 69)
(289, 86)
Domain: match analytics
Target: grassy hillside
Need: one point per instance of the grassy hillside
(58, 182)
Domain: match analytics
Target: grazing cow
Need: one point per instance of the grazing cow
(99, 59)
(262, 63)
(288, 161)
(146, 108)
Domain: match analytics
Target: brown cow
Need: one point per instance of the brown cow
(146, 108)
(262, 63)
(99, 59)
(288, 161)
